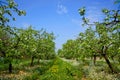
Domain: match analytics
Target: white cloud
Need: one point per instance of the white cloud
(61, 9)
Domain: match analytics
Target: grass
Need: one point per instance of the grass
(99, 71)
(23, 70)
(58, 69)
(62, 70)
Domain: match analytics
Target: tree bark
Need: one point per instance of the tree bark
(108, 62)
(32, 61)
(10, 67)
(94, 58)
(104, 50)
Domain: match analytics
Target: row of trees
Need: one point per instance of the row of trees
(100, 41)
(26, 43)
(18, 43)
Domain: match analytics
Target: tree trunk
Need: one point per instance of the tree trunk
(10, 67)
(104, 51)
(32, 61)
(94, 58)
(108, 62)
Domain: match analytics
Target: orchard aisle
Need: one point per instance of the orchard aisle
(73, 62)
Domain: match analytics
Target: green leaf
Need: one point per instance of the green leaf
(82, 11)
(13, 19)
(105, 11)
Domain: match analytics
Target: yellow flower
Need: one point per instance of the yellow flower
(54, 68)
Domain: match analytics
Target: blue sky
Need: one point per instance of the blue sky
(60, 16)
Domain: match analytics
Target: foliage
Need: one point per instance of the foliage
(102, 40)
(7, 8)
(22, 43)
(70, 50)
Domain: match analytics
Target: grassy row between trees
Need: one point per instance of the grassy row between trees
(55, 69)
(58, 69)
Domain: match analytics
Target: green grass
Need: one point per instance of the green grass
(57, 69)
(61, 71)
